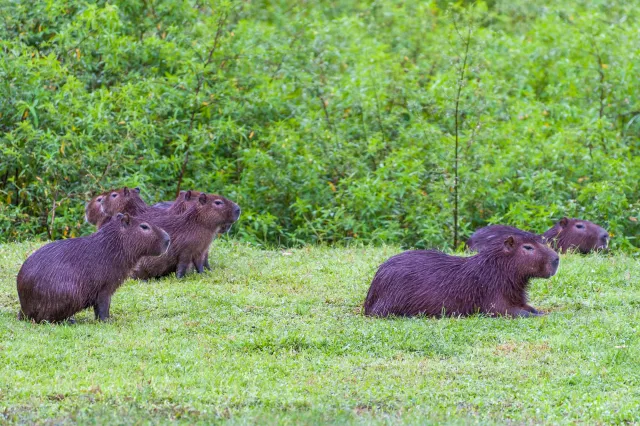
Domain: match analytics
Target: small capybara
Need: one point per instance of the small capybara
(576, 234)
(191, 234)
(125, 200)
(93, 210)
(67, 276)
(568, 234)
(493, 282)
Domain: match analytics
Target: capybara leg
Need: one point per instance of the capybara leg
(199, 266)
(206, 261)
(533, 310)
(182, 268)
(519, 312)
(101, 308)
(21, 316)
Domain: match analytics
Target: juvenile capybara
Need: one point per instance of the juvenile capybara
(493, 282)
(484, 236)
(93, 210)
(125, 200)
(191, 234)
(67, 276)
(576, 234)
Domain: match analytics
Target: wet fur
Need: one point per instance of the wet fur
(68, 276)
(493, 282)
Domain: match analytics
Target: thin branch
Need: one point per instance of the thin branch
(461, 70)
(221, 21)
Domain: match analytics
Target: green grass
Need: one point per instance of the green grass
(278, 337)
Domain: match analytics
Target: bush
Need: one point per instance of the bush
(326, 121)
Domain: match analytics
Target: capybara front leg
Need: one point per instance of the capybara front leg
(101, 308)
(198, 263)
(183, 265)
(206, 261)
(533, 310)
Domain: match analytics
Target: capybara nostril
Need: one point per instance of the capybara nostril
(236, 212)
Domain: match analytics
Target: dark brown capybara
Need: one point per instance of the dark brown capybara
(93, 210)
(125, 200)
(191, 234)
(163, 204)
(576, 234)
(485, 236)
(68, 276)
(493, 282)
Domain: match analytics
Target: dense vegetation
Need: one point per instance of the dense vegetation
(325, 120)
(274, 337)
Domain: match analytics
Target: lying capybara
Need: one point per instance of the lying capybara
(67, 276)
(163, 204)
(493, 282)
(191, 234)
(576, 234)
(485, 236)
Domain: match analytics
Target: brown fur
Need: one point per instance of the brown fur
(493, 282)
(191, 234)
(93, 210)
(125, 200)
(67, 276)
(483, 237)
(576, 234)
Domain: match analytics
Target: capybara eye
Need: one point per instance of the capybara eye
(218, 202)
(580, 226)
(114, 195)
(99, 199)
(144, 226)
(527, 247)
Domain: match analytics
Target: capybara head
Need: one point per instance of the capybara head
(93, 209)
(215, 212)
(527, 254)
(140, 237)
(576, 234)
(123, 200)
(184, 200)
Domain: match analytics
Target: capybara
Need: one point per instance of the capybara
(493, 282)
(67, 276)
(163, 204)
(568, 234)
(93, 210)
(125, 200)
(485, 236)
(191, 234)
(576, 234)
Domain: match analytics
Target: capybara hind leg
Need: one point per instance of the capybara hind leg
(199, 266)
(101, 308)
(206, 261)
(182, 268)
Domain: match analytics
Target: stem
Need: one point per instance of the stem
(221, 21)
(461, 70)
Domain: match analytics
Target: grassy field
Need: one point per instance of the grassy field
(278, 337)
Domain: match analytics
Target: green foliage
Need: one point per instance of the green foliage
(272, 337)
(325, 121)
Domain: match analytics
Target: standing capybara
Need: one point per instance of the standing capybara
(567, 234)
(493, 282)
(575, 234)
(67, 276)
(191, 234)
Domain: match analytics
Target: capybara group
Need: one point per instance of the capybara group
(67, 276)
(191, 234)
(493, 282)
(566, 235)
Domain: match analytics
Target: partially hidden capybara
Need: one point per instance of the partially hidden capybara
(493, 282)
(485, 236)
(577, 235)
(566, 235)
(93, 210)
(68, 276)
(125, 200)
(191, 234)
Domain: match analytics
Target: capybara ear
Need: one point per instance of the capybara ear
(124, 219)
(137, 189)
(509, 243)
(564, 222)
(187, 195)
(203, 198)
(126, 191)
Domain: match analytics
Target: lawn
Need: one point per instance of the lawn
(275, 336)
